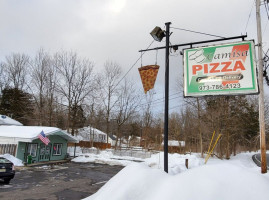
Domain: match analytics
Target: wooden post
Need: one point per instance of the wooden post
(187, 163)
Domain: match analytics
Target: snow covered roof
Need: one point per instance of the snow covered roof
(5, 120)
(175, 143)
(83, 133)
(30, 133)
(112, 137)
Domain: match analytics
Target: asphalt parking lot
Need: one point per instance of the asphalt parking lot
(64, 181)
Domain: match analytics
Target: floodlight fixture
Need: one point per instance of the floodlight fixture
(157, 33)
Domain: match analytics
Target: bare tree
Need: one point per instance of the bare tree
(108, 89)
(50, 92)
(147, 120)
(126, 106)
(16, 68)
(3, 77)
(40, 80)
(75, 82)
(196, 103)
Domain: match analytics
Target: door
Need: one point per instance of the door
(44, 154)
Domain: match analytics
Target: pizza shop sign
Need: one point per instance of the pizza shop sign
(227, 69)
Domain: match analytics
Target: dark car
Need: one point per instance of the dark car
(7, 170)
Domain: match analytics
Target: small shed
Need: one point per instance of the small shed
(26, 142)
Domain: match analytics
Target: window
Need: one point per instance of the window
(32, 148)
(57, 149)
(3, 160)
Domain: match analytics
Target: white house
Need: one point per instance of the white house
(91, 134)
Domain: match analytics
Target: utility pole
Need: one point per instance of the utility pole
(261, 96)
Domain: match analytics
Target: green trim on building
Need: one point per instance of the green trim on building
(21, 150)
(44, 153)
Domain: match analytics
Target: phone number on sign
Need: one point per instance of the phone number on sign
(219, 87)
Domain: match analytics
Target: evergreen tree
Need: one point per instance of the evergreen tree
(17, 104)
(77, 118)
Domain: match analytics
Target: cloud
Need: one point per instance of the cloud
(117, 6)
(117, 29)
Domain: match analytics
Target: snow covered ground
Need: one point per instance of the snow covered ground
(144, 179)
(234, 179)
(176, 161)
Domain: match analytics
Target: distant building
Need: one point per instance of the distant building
(91, 134)
(175, 146)
(175, 143)
(112, 140)
(7, 121)
(91, 137)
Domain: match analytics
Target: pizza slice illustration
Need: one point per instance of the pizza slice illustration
(148, 76)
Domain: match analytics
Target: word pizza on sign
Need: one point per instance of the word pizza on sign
(227, 69)
(148, 76)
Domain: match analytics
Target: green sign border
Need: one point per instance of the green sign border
(251, 90)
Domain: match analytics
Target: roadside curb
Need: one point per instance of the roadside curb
(256, 161)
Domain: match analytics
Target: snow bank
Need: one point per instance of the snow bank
(105, 157)
(237, 178)
(15, 161)
(176, 161)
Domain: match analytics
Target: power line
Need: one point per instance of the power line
(169, 99)
(178, 106)
(266, 8)
(162, 99)
(140, 57)
(265, 27)
(266, 52)
(249, 15)
(175, 107)
(202, 33)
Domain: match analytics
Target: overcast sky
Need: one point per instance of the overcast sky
(116, 29)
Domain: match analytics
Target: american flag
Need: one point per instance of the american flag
(43, 138)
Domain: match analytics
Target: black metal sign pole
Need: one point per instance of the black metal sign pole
(166, 106)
